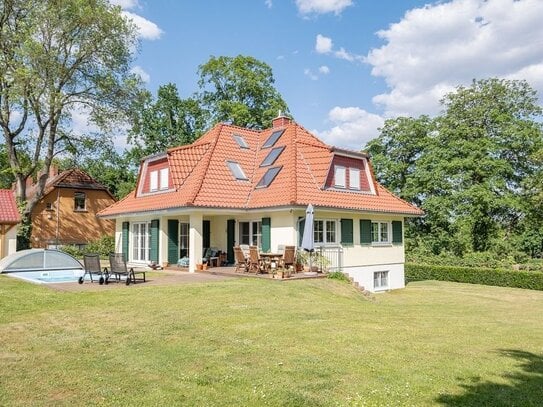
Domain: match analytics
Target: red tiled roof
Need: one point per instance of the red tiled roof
(9, 215)
(202, 178)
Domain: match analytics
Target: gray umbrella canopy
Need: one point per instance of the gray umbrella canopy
(307, 240)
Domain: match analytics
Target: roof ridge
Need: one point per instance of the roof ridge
(207, 156)
(309, 170)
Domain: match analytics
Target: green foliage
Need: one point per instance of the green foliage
(168, 121)
(475, 170)
(338, 275)
(102, 246)
(239, 89)
(532, 280)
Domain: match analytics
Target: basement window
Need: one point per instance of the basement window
(273, 138)
(268, 177)
(272, 156)
(237, 171)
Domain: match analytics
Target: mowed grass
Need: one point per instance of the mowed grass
(245, 342)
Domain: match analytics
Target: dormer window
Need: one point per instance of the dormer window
(153, 185)
(354, 178)
(164, 175)
(237, 171)
(339, 176)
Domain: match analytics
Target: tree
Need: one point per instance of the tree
(241, 90)
(57, 57)
(473, 169)
(168, 121)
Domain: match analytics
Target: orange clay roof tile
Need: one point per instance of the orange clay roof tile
(202, 177)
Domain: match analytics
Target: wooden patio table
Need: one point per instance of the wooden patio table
(269, 258)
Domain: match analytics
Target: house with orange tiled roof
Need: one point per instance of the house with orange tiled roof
(9, 219)
(242, 186)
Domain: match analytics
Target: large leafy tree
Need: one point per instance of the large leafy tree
(57, 57)
(472, 168)
(241, 90)
(165, 122)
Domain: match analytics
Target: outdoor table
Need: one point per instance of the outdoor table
(269, 258)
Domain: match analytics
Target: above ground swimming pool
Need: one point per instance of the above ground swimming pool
(42, 266)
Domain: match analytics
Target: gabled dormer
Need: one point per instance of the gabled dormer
(350, 171)
(155, 175)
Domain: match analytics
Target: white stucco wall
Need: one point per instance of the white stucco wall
(363, 275)
(9, 241)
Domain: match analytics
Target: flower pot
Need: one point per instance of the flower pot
(204, 266)
(199, 266)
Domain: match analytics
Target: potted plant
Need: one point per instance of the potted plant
(199, 266)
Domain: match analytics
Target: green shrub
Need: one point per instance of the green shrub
(72, 250)
(338, 275)
(497, 277)
(102, 246)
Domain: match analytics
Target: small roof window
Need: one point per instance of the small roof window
(268, 177)
(236, 170)
(273, 138)
(240, 140)
(272, 156)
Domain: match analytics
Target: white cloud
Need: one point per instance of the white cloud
(125, 4)
(310, 74)
(81, 125)
(324, 70)
(138, 70)
(269, 3)
(437, 47)
(147, 29)
(323, 45)
(322, 6)
(353, 127)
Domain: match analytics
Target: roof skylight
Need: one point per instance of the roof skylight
(268, 177)
(240, 140)
(273, 138)
(236, 170)
(272, 156)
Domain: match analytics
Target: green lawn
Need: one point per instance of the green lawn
(257, 342)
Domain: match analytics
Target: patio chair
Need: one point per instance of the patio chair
(118, 268)
(241, 260)
(92, 266)
(211, 257)
(245, 249)
(289, 257)
(256, 264)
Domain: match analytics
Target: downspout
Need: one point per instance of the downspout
(58, 216)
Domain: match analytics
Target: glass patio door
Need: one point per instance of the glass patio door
(141, 237)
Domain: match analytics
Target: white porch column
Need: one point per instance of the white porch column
(163, 240)
(195, 240)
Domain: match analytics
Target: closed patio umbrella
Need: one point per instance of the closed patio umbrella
(308, 243)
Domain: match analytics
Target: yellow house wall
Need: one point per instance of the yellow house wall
(74, 227)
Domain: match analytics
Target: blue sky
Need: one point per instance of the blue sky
(344, 66)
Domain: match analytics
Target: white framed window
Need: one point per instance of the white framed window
(153, 181)
(354, 178)
(184, 228)
(339, 176)
(250, 233)
(164, 174)
(141, 238)
(80, 200)
(380, 280)
(380, 232)
(325, 231)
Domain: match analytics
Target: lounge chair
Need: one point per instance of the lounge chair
(241, 260)
(118, 268)
(92, 267)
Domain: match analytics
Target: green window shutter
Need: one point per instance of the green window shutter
(347, 231)
(154, 240)
(397, 233)
(230, 239)
(266, 234)
(365, 232)
(124, 239)
(206, 234)
(301, 227)
(173, 241)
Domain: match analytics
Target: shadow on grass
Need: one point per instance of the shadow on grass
(525, 388)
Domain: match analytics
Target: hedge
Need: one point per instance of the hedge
(532, 280)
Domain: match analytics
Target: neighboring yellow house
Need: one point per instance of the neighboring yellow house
(9, 219)
(67, 212)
